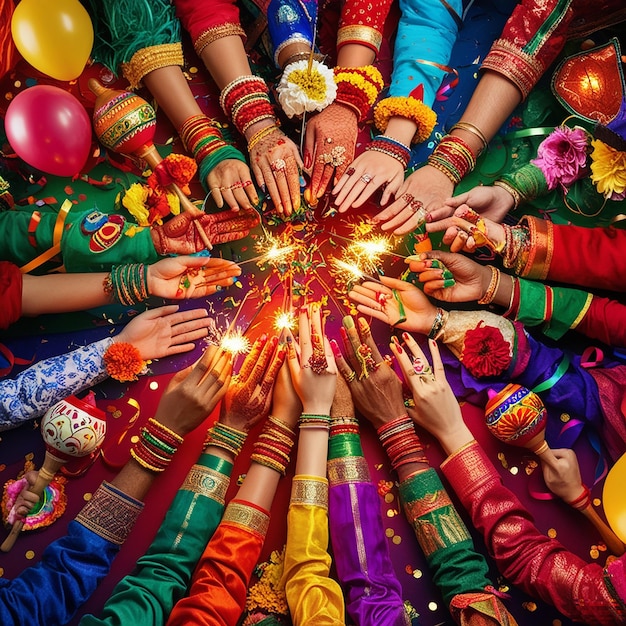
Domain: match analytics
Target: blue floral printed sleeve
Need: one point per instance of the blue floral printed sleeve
(32, 392)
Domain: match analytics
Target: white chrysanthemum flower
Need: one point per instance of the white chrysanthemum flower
(302, 90)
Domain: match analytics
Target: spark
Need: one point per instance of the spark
(235, 343)
(283, 320)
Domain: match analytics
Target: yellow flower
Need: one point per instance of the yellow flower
(608, 169)
(134, 201)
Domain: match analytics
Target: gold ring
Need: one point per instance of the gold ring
(351, 377)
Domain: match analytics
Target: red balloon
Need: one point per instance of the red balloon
(49, 129)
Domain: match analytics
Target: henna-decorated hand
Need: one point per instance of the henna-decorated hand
(329, 148)
(185, 277)
(375, 388)
(396, 303)
(230, 183)
(249, 396)
(276, 164)
(180, 235)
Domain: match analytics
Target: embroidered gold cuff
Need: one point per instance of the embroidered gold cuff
(358, 33)
(520, 68)
(247, 517)
(541, 247)
(207, 482)
(310, 490)
(149, 59)
(110, 514)
(351, 469)
(218, 32)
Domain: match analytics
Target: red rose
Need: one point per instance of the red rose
(485, 352)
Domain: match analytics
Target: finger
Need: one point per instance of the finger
(352, 334)
(327, 174)
(279, 171)
(263, 363)
(438, 368)
(435, 226)
(367, 338)
(204, 364)
(250, 191)
(331, 368)
(316, 177)
(176, 317)
(358, 199)
(190, 335)
(405, 363)
(293, 182)
(217, 197)
(433, 287)
(269, 379)
(252, 357)
(391, 190)
(342, 365)
(258, 173)
(304, 335)
(272, 188)
(229, 198)
(457, 201)
(292, 359)
(414, 348)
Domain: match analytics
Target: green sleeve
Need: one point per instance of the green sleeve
(162, 576)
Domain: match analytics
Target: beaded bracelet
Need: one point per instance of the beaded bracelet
(401, 443)
(398, 152)
(274, 445)
(128, 283)
(494, 283)
(156, 446)
(474, 130)
(517, 197)
(441, 317)
(310, 420)
(453, 157)
(409, 108)
(227, 437)
(358, 88)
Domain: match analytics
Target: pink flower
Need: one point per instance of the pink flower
(562, 156)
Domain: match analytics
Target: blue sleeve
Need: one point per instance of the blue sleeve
(53, 590)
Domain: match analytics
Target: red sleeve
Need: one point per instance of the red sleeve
(605, 320)
(11, 290)
(220, 583)
(216, 18)
(539, 565)
(588, 257)
(362, 22)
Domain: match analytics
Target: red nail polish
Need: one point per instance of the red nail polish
(263, 338)
(343, 332)
(307, 159)
(281, 353)
(399, 348)
(395, 340)
(335, 348)
(406, 336)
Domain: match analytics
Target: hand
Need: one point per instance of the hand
(276, 164)
(396, 303)
(186, 277)
(375, 388)
(312, 367)
(329, 146)
(165, 331)
(230, 183)
(249, 396)
(286, 404)
(383, 171)
(436, 408)
(179, 235)
(426, 185)
(466, 230)
(563, 475)
(194, 392)
(25, 499)
(471, 280)
(490, 201)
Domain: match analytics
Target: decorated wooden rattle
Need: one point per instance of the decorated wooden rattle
(517, 416)
(126, 123)
(71, 428)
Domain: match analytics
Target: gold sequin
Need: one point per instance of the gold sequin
(30, 554)
(529, 606)
(597, 502)
(154, 385)
(514, 470)
(417, 573)
(390, 532)
(87, 496)
(397, 539)
(594, 553)
(565, 417)
(552, 533)
(389, 498)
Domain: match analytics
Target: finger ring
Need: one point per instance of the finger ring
(420, 367)
(246, 183)
(366, 178)
(350, 377)
(335, 157)
(278, 165)
(237, 185)
(408, 198)
(318, 363)
(416, 205)
(350, 171)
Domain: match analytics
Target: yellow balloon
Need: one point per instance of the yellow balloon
(613, 498)
(54, 36)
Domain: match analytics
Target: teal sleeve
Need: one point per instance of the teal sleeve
(163, 575)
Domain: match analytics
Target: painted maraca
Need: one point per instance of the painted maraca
(71, 428)
(517, 416)
(126, 123)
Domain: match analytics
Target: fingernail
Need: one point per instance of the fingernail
(263, 338)
(348, 322)
(406, 336)
(335, 348)
(413, 258)
(394, 339)
(274, 340)
(288, 338)
(343, 332)
(429, 217)
(307, 159)
(281, 353)
(363, 325)
(449, 283)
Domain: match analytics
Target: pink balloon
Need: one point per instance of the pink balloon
(49, 129)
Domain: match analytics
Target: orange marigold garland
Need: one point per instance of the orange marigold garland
(123, 362)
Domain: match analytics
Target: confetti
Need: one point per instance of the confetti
(417, 573)
(514, 470)
(397, 540)
(154, 385)
(597, 502)
(529, 606)
(594, 553)
(391, 513)
(389, 498)
(565, 417)
(432, 606)
(30, 554)
(134, 439)
(503, 460)
(552, 533)
(87, 496)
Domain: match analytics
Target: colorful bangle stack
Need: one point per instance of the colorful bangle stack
(392, 148)
(453, 157)
(439, 323)
(474, 130)
(262, 134)
(245, 101)
(358, 88)
(200, 136)
(156, 446)
(517, 243)
(401, 443)
(512, 311)
(274, 445)
(227, 438)
(490, 293)
(409, 108)
(309, 420)
(344, 426)
(127, 284)
(528, 181)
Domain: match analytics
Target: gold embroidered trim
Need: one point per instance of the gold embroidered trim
(473, 463)
(350, 469)
(541, 247)
(583, 311)
(215, 33)
(207, 482)
(359, 34)
(310, 491)
(521, 68)
(109, 514)
(149, 59)
(247, 517)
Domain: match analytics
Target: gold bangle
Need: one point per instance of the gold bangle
(490, 294)
(474, 130)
